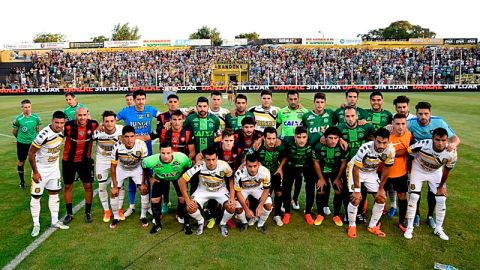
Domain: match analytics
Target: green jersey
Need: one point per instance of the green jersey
(27, 127)
(355, 136)
(236, 122)
(204, 129)
(167, 171)
(330, 157)
(339, 115)
(270, 159)
(317, 124)
(300, 157)
(379, 119)
(70, 111)
(289, 119)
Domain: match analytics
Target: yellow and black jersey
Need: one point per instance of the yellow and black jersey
(129, 159)
(243, 180)
(368, 159)
(210, 180)
(264, 117)
(49, 144)
(428, 160)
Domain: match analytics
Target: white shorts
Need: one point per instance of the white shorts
(369, 180)
(136, 175)
(202, 196)
(418, 177)
(50, 180)
(255, 193)
(102, 170)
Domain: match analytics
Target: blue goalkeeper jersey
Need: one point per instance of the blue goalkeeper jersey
(140, 120)
(425, 132)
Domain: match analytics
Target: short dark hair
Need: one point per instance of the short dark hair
(332, 131)
(320, 95)
(423, 105)
(348, 107)
(70, 94)
(300, 130)
(25, 101)
(401, 99)
(439, 132)
(376, 93)
(108, 113)
(173, 96)
(241, 96)
(59, 114)
(215, 93)
(399, 116)
(177, 113)
(139, 93)
(248, 121)
(227, 132)
(252, 157)
(292, 93)
(202, 99)
(352, 91)
(266, 92)
(127, 129)
(209, 151)
(270, 130)
(129, 94)
(382, 132)
(165, 144)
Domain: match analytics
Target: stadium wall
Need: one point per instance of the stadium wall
(248, 89)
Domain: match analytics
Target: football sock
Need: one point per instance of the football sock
(393, 198)
(21, 173)
(377, 212)
(431, 203)
(144, 202)
(157, 212)
(54, 206)
(198, 216)
(88, 208)
(226, 217)
(352, 214)
(277, 201)
(103, 195)
(337, 204)
(114, 204)
(441, 208)
(121, 197)
(411, 208)
(263, 217)
(35, 210)
(242, 217)
(69, 208)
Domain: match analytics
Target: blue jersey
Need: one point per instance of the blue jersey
(140, 120)
(425, 132)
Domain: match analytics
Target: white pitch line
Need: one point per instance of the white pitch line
(6, 135)
(28, 250)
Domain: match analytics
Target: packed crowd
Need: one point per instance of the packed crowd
(267, 65)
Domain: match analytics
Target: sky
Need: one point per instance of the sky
(176, 19)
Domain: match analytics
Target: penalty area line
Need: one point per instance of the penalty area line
(44, 236)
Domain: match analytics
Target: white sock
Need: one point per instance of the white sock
(226, 217)
(352, 214)
(263, 217)
(198, 216)
(121, 197)
(54, 206)
(144, 201)
(35, 210)
(103, 195)
(114, 203)
(393, 198)
(412, 208)
(242, 217)
(377, 212)
(440, 210)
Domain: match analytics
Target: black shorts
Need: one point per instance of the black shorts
(400, 184)
(159, 187)
(84, 169)
(22, 151)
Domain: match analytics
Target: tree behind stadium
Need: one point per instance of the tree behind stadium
(48, 37)
(249, 36)
(399, 30)
(125, 32)
(207, 33)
